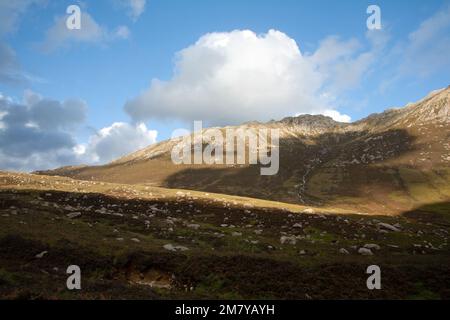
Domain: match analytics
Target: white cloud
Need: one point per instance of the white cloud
(35, 134)
(2, 114)
(334, 62)
(10, 70)
(115, 141)
(135, 8)
(11, 11)
(38, 133)
(428, 47)
(231, 77)
(422, 54)
(337, 116)
(90, 32)
(122, 32)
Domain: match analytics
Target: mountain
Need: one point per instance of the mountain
(136, 240)
(389, 162)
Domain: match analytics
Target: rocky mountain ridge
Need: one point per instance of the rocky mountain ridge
(393, 160)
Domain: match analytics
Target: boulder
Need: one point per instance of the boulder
(288, 240)
(171, 247)
(41, 255)
(365, 252)
(388, 226)
(372, 246)
(74, 215)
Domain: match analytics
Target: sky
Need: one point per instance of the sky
(137, 70)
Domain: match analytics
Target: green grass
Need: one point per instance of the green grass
(422, 293)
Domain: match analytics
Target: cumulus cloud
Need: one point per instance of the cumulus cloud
(115, 141)
(343, 63)
(38, 133)
(90, 32)
(231, 77)
(34, 133)
(337, 116)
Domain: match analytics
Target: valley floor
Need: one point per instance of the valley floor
(153, 243)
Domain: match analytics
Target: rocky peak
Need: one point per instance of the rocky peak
(311, 122)
(434, 108)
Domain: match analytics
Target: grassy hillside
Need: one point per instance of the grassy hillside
(144, 242)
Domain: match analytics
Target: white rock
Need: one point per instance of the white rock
(343, 251)
(365, 251)
(388, 226)
(73, 215)
(236, 234)
(308, 210)
(171, 247)
(288, 240)
(193, 226)
(372, 246)
(41, 255)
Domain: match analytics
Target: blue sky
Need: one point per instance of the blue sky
(112, 73)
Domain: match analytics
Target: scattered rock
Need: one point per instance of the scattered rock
(365, 251)
(343, 251)
(41, 255)
(388, 226)
(171, 247)
(74, 215)
(288, 240)
(372, 246)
